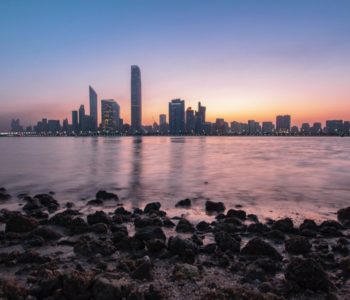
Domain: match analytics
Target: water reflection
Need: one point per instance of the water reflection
(135, 189)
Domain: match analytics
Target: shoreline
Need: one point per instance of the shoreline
(52, 250)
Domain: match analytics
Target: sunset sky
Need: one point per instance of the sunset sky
(243, 59)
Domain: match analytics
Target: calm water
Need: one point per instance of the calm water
(272, 177)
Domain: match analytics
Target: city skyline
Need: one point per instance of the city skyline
(244, 59)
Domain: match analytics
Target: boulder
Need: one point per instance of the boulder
(4, 195)
(178, 245)
(110, 287)
(103, 195)
(20, 224)
(186, 203)
(284, 225)
(153, 206)
(155, 245)
(143, 269)
(98, 217)
(90, 247)
(185, 272)
(226, 242)
(46, 233)
(32, 204)
(184, 226)
(47, 201)
(78, 226)
(297, 245)
(143, 221)
(258, 247)
(122, 211)
(99, 228)
(344, 215)
(150, 232)
(76, 285)
(211, 206)
(234, 213)
(308, 274)
(203, 226)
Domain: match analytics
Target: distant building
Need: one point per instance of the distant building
(136, 108)
(54, 126)
(177, 116)
(207, 128)
(110, 111)
(29, 128)
(316, 128)
(305, 129)
(346, 127)
(199, 119)
(235, 128)
(16, 125)
(93, 108)
(283, 124)
(162, 119)
(253, 127)
(334, 127)
(65, 125)
(267, 128)
(220, 127)
(190, 121)
(75, 123)
(81, 117)
(294, 130)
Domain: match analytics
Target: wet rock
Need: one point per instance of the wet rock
(168, 223)
(35, 241)
(153, 293)
(78, 226)
(76, 285)
(185, 272)
(203, 226)
(257, 228)
(275, 235)
(4, 196)
(258, 247)
(297, 245)
(32, 257)
(122, 211)
(128, 243)
(178, 245)
(64, 218)
(209, 248)
(98, 217)
(153, 206)
(90, 247)
(46, 233)
(331, 228)
(155, 245)
(143, 270)
(144, 221)
(20, 223)
(308, 225)
(284, 225)
(103, 195)
(110, 287)
(69, 205)
(11, 290)
(253, 218)
(99, 228)
(148, 233)
(308, 274)
(32, 204)
(47, 201)
(226, 242)
(239, 214)
(184, 226)
(344, 215)
(95, 202)
(211, 206)
(186, 203)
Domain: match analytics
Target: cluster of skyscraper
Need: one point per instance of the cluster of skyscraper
(181, 121)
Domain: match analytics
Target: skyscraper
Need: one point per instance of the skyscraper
(136, 109)
(75, 125)
(93, 108)
(283, 124)
(177, 116)
(81, 117)
(201, 111)
(190, 121)
(110, 115)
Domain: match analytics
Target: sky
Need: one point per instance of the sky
(243, 59)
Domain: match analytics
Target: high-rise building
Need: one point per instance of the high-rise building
(16, 125)
(316, 128)
(75, 124)
(253, 127)
(305, 129)
(136, 108)
(177, 116)
(54, 125)
(81, 117)
(334, 127)
(201, 111)
(220, 126)
(162, 119)
(65, 125)
(294, 130)
(283, 124)
(346, 127)
(190, 121)
(93, 108)
(110, 115)
(267, 128)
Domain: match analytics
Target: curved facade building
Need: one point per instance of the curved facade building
(136, 108)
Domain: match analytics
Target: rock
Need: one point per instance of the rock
(211, 206)
(98, 217)
(88, 247)
(99, 228)
(184, 203)
(257, 228)
(76, 285)
(203, 226)
(122, 211)
(308, 274)
(185, 248)
(128, 243)
(331, 228)
(185, 271)
(103, 195)
(168, 223)
(239, 214)
(46, 233)
(253, 218)
(275, 235)
(110, 287)
(144, 221)
(297, 245)
(4, 196)
(344, 215)
(32, 204)
(153, 206)
(11, 290)
(47, 201)
(153, 293)
(78, 226)
(143, 270)
(155, 245)
(150, 232)
(184, 226)
(95, 202)
(308, 225)
(257, 247)
(69, 204)
(20, 224)
(32, 257)
(226, 242)
(284, 225)
(63, 218)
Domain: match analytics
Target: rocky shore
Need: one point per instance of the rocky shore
(51, 251)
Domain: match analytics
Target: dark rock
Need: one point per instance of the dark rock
(178, 245)
(308, 274)
(88, 247)
(168, 223)
(144, 221)
(153, 293)
(275, 235)
(253, 218)
(128, 243)
(331, 228)
(98, 217)
(143, 270)
(48, 201)
(63, 219)
(11, 290)
(239, 214)
(155, 245)
(19, 223)
(184, 226)
(4, 195)
(209, 248)
(297, 245)
(184, 203)
(308, 225)
(103, 195)
(226, 242)
(69, 204)
(257, 228)
(185, 272)
(344, 215)
(153, 206)
(95, 202)
(110, 287)
(257, 247)
(99, 228)
(284, 225)
(122, 211)
(78, 226)
(32, 257)
(197, 239)
(212, 206)
(35, 241)
(46, 233)
(76, 285)
(32, 204)
(203, 226)
(148, 233)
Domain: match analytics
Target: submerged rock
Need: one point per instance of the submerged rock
(212, 206)
(258, 247)
(98, 217)
(47, 201)
(4, 195)
(153, 206)
(184, 226)
(186, 203)
(103, 195)
(239, 214)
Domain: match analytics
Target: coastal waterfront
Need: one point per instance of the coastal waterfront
(270, 176)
